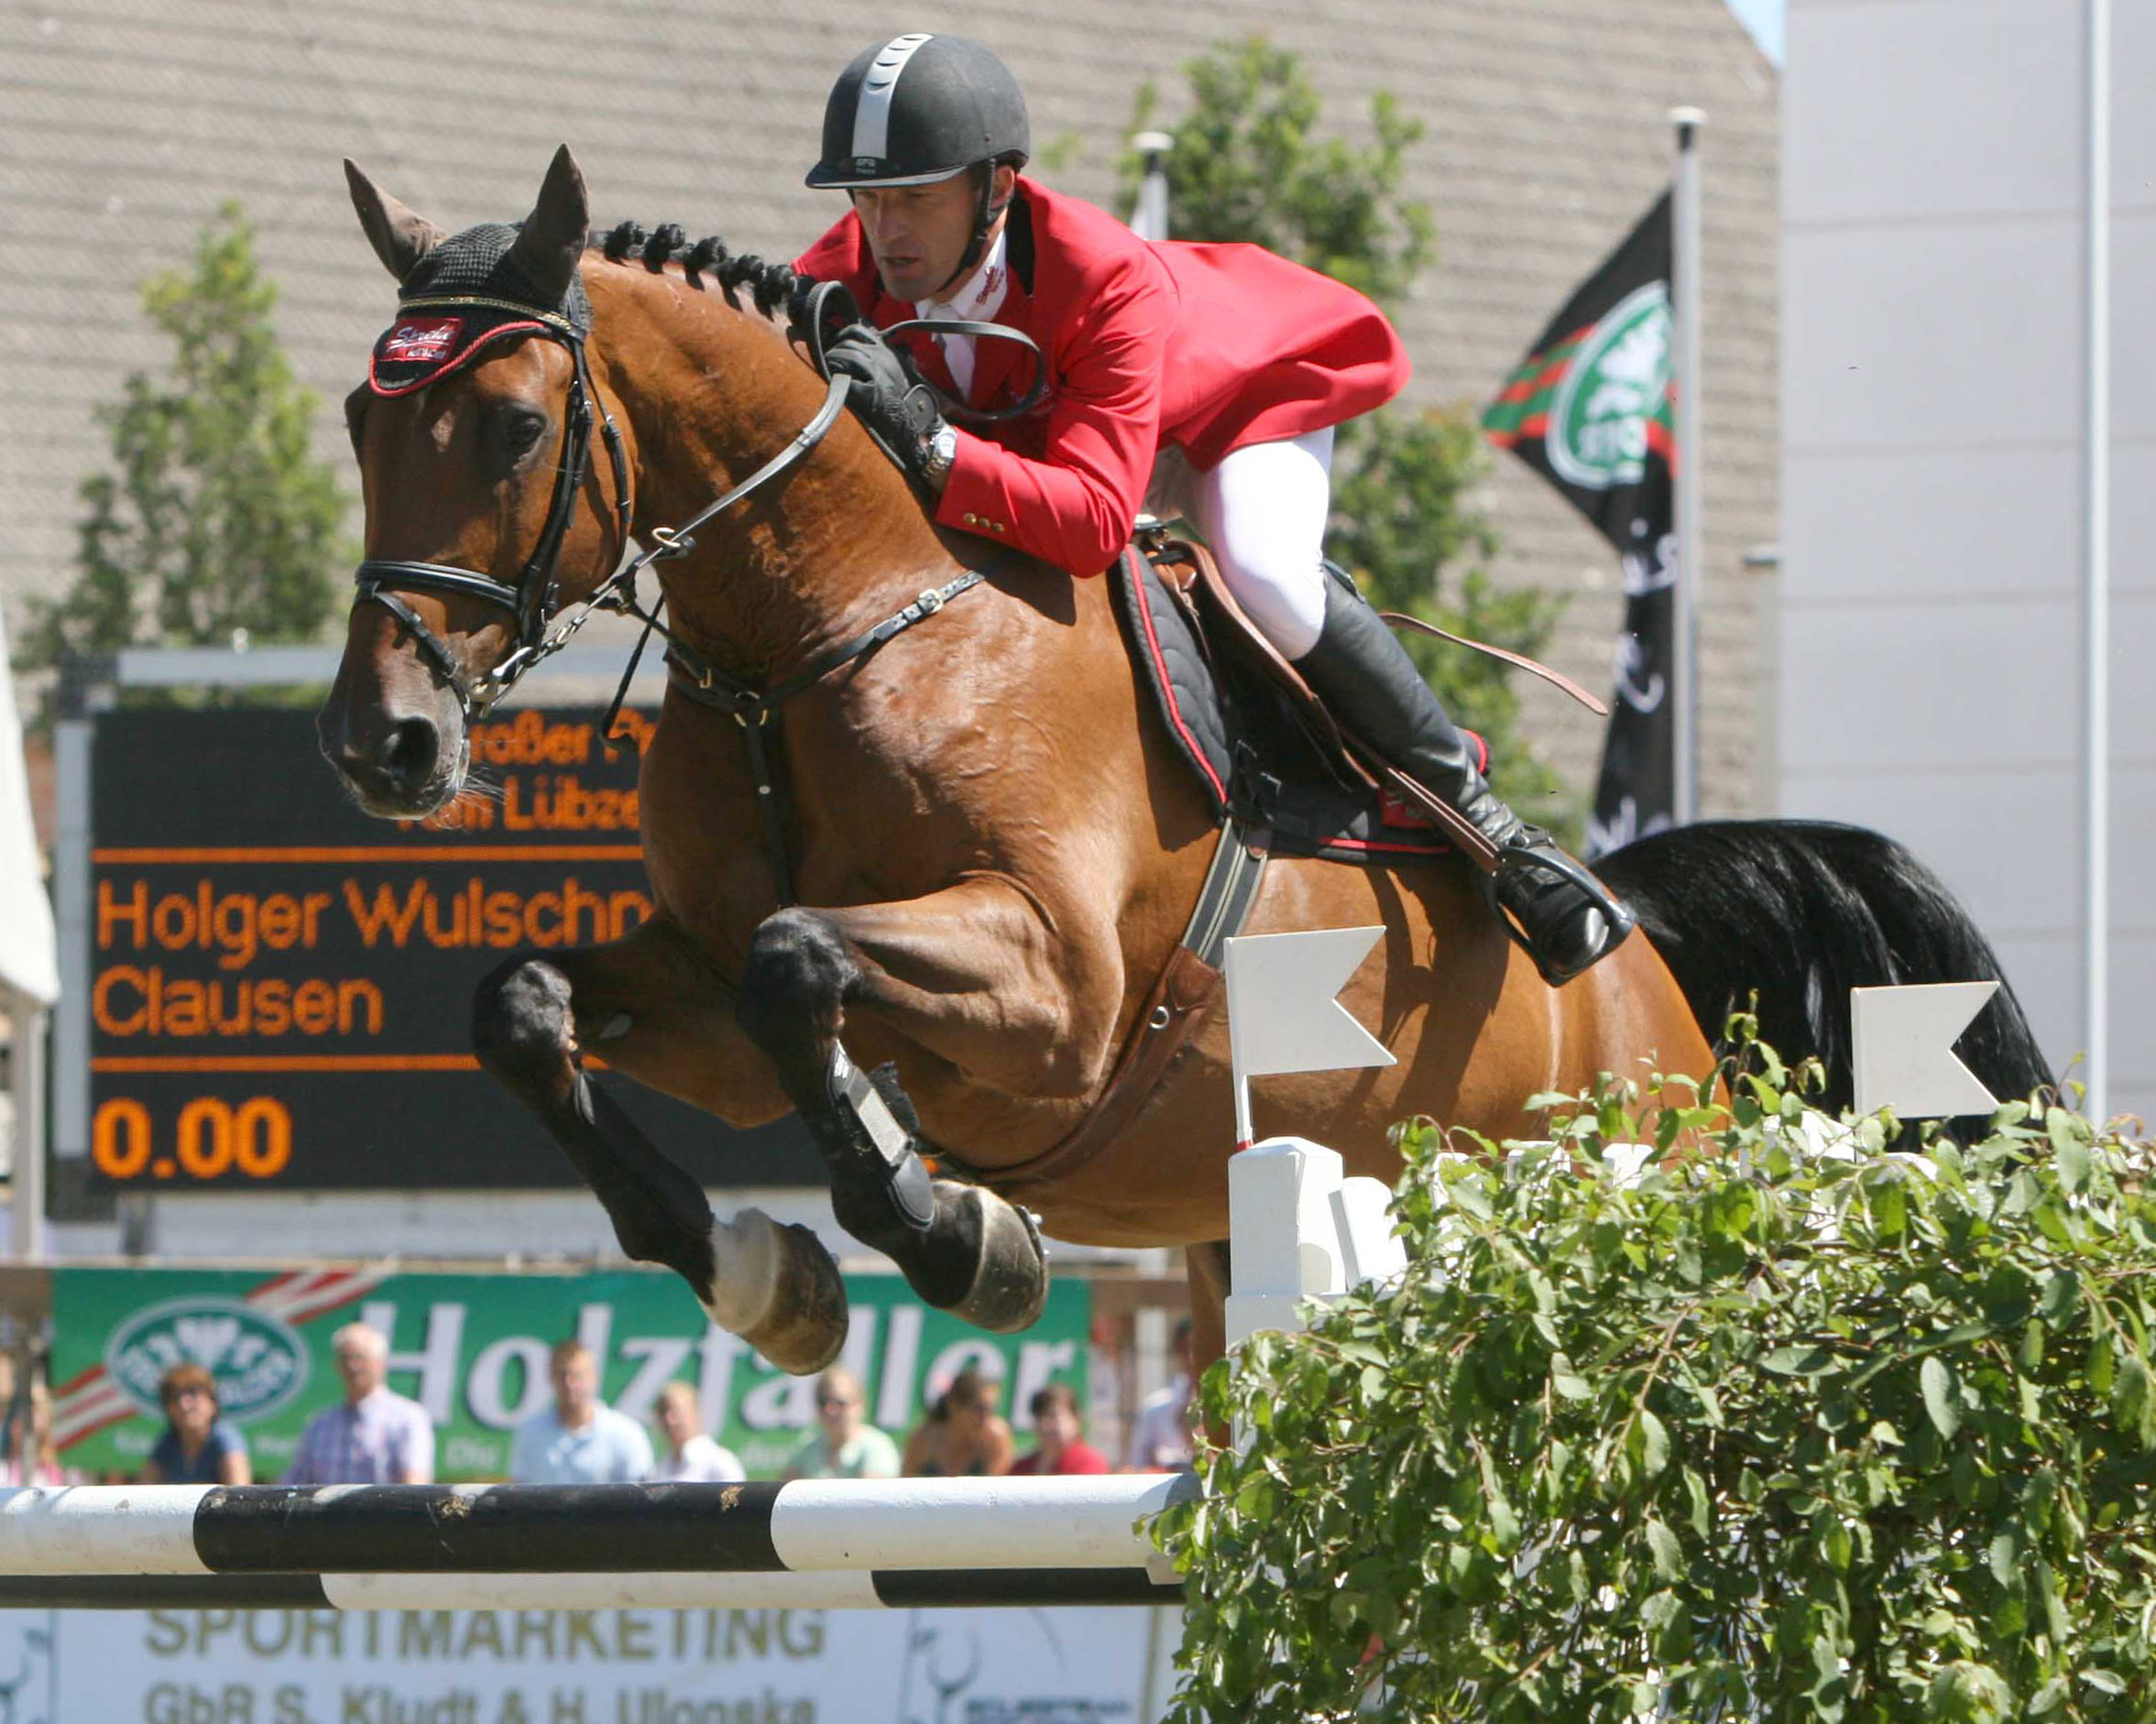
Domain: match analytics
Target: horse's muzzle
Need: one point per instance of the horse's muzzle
(397, 766)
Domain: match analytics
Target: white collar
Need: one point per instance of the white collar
(981, 295)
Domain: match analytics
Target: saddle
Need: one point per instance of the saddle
(1261, 744)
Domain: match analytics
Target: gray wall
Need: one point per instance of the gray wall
(129, 120)
(1932, 469)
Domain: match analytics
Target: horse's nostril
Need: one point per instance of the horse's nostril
(409, 750)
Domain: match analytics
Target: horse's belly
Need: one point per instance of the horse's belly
(1472, 1030)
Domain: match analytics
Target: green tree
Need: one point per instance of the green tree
(1249, 164)
(213, 514)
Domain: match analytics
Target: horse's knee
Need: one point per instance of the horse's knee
(521, 1031)
(795, 980)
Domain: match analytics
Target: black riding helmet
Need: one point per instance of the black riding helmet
(921, 109)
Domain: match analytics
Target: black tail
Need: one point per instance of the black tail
(1802, 911)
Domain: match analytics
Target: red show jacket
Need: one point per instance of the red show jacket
(1204, 347)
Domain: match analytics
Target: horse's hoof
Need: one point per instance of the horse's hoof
(1010, 1284)
(801, 1325)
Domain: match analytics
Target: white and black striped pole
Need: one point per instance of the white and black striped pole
(829, 1542)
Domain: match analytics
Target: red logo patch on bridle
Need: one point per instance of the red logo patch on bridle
(421, 341)
(417, 350)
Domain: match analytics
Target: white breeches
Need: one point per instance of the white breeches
(1263, 511)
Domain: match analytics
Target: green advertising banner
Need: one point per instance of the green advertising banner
(473, 1350)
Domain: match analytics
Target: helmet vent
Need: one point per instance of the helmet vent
(871, 118)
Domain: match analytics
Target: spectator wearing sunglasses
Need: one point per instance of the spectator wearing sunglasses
(843, 1445)
(197, 1447)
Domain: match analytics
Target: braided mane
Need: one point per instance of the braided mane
(771, 285)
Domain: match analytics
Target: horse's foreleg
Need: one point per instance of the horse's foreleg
(775, 1287)
(970, 975)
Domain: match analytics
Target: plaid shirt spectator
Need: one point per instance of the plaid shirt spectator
(384, 1439)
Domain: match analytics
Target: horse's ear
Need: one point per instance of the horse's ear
(554, 234)
(399, 237)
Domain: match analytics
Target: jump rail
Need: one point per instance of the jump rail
(822, 1542)
(1300, 1232)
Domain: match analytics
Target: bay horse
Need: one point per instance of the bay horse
(931, 911)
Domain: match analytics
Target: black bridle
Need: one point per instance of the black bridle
(532, 600)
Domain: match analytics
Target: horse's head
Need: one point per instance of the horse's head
(485, 508)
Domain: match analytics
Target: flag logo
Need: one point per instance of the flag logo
(1613, 403)
(256, 1358)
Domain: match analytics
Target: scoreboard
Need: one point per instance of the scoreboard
(274, 989)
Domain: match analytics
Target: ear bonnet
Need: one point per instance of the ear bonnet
(469, 290)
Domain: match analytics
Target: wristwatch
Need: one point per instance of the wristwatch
(941, 450)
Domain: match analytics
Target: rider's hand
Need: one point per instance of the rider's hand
(900, 410)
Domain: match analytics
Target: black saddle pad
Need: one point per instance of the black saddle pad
(1246, 745)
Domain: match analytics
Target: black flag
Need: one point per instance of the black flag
(1589, 409)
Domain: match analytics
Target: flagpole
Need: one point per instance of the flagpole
(1690, 532)
(2096, 574)
(1150, 219)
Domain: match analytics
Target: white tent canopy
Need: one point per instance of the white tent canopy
(29, 960)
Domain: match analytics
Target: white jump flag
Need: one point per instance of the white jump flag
(1283, 1013)
(1902, 1047)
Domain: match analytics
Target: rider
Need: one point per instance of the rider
(1206, 378)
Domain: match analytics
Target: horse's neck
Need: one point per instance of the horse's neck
(712, 394)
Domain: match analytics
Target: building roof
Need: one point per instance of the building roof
(131, 120)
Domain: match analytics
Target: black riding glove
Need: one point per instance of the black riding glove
(899, 409)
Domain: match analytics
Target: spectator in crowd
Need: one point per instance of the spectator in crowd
(1061, 1434)
(197, 1447)
(375, 1437)
(844, 1445)
(31, 1430)
(963, 1437)
(578, 1441)
(692, 1458)
(1160, 1434)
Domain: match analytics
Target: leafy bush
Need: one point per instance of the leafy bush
(1760, 1434)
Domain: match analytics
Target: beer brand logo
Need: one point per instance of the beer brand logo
(258, 1361)
(1611, 394)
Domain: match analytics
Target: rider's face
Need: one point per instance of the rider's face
(918, 235)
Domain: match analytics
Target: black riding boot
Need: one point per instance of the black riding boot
(1371, 686)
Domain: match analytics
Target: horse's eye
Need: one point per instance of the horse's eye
(520, 429)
